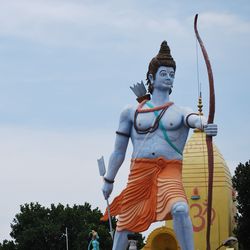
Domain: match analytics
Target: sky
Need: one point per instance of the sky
(65, 71)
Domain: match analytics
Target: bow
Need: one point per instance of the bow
(209, 140)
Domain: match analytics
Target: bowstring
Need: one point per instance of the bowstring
(199, 87)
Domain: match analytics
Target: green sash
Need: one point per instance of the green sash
(164, 131)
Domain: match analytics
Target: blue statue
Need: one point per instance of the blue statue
(158, 129)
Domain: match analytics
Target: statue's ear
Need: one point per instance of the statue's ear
(151, 78)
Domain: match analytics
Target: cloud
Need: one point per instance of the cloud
(62, 22)
(41, 20)
(76, 23)
(227, 22)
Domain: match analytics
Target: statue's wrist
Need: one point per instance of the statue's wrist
(108, 180)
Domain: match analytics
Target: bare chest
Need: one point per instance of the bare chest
(170, 120)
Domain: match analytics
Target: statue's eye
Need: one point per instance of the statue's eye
(171, 74)
(163, 74)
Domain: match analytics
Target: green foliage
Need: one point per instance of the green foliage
(40, 228)
(241, 183)
(8, 245)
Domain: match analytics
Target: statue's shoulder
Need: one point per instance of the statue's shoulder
(182, 110)
(187, 110)
(128, 112)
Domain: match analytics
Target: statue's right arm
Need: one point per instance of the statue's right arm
(117, 157)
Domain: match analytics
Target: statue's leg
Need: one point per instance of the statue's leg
(182, 225)
(121, 240)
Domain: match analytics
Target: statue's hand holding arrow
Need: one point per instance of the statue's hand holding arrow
(107, 189)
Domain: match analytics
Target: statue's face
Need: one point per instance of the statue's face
(164, 78)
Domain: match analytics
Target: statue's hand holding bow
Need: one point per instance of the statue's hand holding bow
(200, 122)
(210, 129)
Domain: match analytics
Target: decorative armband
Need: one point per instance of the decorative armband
(123, 134)
(187, 120)
(108, 181)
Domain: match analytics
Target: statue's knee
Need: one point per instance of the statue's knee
(180, 208)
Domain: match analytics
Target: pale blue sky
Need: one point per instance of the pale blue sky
(66, 67)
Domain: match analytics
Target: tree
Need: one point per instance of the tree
(40, 228)
(241, 183)
(8, 245)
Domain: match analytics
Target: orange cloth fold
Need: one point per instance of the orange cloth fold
(153, 186)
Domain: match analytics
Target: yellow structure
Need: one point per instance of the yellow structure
(195, 176)
(162, 238)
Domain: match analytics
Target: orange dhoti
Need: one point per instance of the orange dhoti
(154, 185)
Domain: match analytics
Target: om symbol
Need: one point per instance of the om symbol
(201, 211)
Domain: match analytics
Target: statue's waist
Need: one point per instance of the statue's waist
(159, 160)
